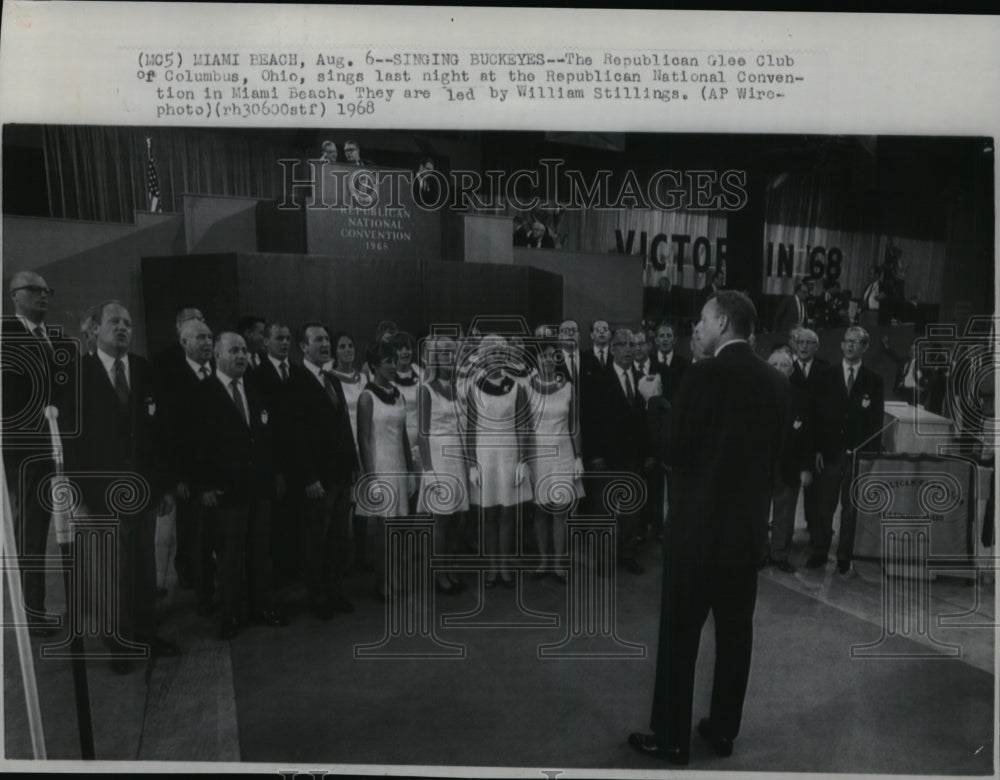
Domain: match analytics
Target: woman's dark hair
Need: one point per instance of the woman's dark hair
(377, 352)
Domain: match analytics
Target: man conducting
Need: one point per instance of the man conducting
(726, 431)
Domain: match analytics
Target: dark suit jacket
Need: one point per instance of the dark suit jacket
(278, 398)
(115, 439)
(727, 429)
(658, 427)
(178, 388)
(845, 422)
(619, 431)
(670, 376)
(811, 383)
(324, 448)
(232, 456)
(591, 373)
(787, 315)
(798, 452)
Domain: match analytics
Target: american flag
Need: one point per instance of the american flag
(152, 180)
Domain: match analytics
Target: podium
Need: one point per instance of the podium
(912, 429)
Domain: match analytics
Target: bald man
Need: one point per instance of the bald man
(28, 356)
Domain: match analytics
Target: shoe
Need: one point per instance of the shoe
(206, 609)
(458, 583)
(631, 565)
(161, 648)
(847, 571)
(508, 582)
(815, 561)
(447, 589)
(340, 604)
(721, 746)
(649, 745)
(230, 628)
(122, 666)
(44, 625)
(322, 611)
(270, 617)
(560, 576)
(783, 565)
(491, 580)
(539, 574)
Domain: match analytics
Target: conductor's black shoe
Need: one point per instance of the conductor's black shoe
(649, 745)
(815, 561)
(230, 628)
(783, 565)
(721, 746)
(161, 648)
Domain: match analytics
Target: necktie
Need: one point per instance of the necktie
(284, 371)
(629, 392)
(121, 383)
(798, 302)
(204, 372)
(39, 334)
(850, 379)
(238, 400)
(600, 356)
(330, 390)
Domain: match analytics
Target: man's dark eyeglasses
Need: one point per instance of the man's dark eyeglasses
(36, 289)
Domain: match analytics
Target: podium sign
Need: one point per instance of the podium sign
(370, 213)
(903, 490)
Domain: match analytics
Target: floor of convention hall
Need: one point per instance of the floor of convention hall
(834, 686)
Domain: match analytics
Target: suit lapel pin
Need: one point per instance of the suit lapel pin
(866, 401)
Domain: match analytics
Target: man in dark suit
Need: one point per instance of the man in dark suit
(325, 461)
(569, 334)
(807, 373)
(618, 436)
(236, 484)
(120, 435)
(792, 310)
(29, 386)
(794, 467)
(849, 415)
(274, 380)
(666, 362)
(726, 431)
(179, 385)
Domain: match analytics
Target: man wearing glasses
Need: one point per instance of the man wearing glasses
(28, 388)
(849, 412)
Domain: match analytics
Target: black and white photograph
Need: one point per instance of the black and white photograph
(402, 449)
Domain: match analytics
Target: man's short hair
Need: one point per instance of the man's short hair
(97, 312)
(667, 324)
(858, 331)
(184, 314)
(300, 334)
(739, 309)
(271, 327)
(248, 322)
(807, 332)
(594, 322)
(217, 347)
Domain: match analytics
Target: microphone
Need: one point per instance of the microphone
(60, 515)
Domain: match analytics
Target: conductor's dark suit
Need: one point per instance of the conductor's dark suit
(324, 452)
(235, 457)
(726, 433)
(670, 375)
(845, 423)
(809, 383)
(123, 443)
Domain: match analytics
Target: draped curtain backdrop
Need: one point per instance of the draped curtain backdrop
(99, 173)
(826, 206)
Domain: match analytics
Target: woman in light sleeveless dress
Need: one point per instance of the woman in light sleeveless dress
(444, 488)
(407, 381)
(353, 382)
(556, 462)
(497, 409)
(384, 452)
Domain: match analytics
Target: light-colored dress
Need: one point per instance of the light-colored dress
(445, 489)
(553, 457)
(409, 393)
(388, 496)
(497, 449)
